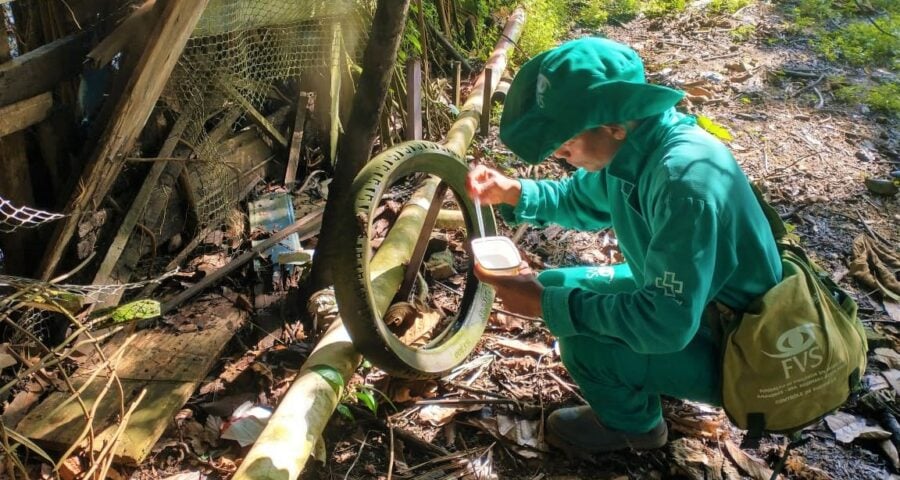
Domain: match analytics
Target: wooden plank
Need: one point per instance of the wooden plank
(305, 105)
(485, 123)
(39, 70)
(255, 116)
(170, 365)
(114, 252)
(335, 92)
(24, 114)
(164, 47)
(457, 81)
(413, 130)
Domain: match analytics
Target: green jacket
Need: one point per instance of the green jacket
(688, 225)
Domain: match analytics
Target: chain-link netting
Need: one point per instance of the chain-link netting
(238, 60)
(13, 217)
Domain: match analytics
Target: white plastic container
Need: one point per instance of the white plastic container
(497, 254)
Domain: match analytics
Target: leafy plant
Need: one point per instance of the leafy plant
(743, 33)
(883, 98)
(622, 9)
(545, 25)
(591, 14)
(863, 43)
(659, 8)
(714, 128)
(728, 6)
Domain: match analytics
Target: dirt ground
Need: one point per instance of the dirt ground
(809, 151)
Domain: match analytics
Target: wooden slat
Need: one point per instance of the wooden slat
(255, 116)
(413, 128)
(24, 114)
(114, 252)
(164, 46)
(305, 105)
(39, 70)
(169, 365)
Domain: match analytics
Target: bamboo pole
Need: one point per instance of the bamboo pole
(288, 440)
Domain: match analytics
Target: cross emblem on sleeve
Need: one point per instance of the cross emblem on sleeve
(669, 284)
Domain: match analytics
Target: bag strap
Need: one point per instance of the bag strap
(779, 230)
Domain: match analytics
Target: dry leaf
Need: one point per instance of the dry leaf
(527, 347)
(187, 476)
(893, 378)
(437, 415)
(693, 460)
(892, 308)
(752, 466)
(888, 357)
(847, 428)
(521, 431)
(891, 451)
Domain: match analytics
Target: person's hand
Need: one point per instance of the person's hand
(492, 187)
(520, 293)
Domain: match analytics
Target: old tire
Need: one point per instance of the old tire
(352, 287)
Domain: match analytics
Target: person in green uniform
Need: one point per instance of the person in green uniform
(687, 221)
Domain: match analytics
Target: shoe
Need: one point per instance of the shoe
(579, 429)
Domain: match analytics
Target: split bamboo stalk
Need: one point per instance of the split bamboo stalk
(288, 440)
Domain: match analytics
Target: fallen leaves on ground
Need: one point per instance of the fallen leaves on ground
(848, 427)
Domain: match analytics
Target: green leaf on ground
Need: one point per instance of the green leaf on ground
(331, 376)
(715, 129)
(368, 398)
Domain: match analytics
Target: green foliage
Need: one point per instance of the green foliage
(345, 412)
(331, 376)
(545, 24)
(367, 397)
(728, 6)
(622, 9)
(591, 14)
(714, 128)
(743, 33)
(860, 33)
(861, 43)
(659, 8)
(883, 98)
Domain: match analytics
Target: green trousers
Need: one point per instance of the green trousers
(622, 386)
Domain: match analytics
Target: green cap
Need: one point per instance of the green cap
(579, 85)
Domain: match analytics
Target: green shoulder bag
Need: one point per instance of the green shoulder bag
(796, 353)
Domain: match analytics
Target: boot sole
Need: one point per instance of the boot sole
(580, 451)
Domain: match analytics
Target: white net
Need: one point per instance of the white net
(13, 218)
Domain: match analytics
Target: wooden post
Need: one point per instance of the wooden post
(486, 108)
(164, 47)
(305, 104)
(413, 130)
(335, 92)
(418, 250)
(457, 82)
